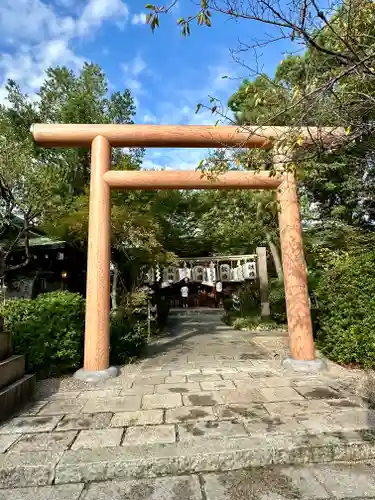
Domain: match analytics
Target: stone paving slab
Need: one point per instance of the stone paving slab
(178, 388)
(6, 440)
(141, 417)
(280, 394)
(112, 404)
(64, 395)
(58, 492)
(102, 438)
(199, 377)
(336, 482)
(176, 379)
(246, 396)
(241, 411)
(150, 434)
(153, 401)
(148, 381)
(266, 483)
(60, 407)
(46, 441)
(206, 455)
(100, 394)
(355, 480)
(31, 409)
(318, 392)
(138, 390)
(210, 430)
(28, 469)
(189, 413)
(175, 488)
(85, 421)
(244, 376)
(297, 408)
(30, 424)
(215, 385)
(203, 398)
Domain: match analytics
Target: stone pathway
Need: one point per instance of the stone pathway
(205, 399)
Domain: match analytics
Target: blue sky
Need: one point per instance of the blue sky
(167, 74)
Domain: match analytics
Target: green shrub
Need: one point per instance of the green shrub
(277, 301)
(228, 304)
(128, 337)
(346, 317)
(48, 330)
(249, 299)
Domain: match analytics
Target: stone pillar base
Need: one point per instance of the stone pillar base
(93, 377)
(305, 366)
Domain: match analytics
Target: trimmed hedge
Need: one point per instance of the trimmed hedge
(48, 330)
(277, 301)
(346, 319)
(128, 337)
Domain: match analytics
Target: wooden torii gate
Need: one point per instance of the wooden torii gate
(102, 138)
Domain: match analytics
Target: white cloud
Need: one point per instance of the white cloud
(37, 36)
(28, 67)
(138, 65)
(173, 159)
(97, 11)
(31, 20)
(132, 71)
(149, 118)
(140, 18)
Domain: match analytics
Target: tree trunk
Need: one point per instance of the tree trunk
(276, 257)
(273, 248)
(114, 286)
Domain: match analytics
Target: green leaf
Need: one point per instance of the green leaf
(224, 77)
(198, 108)
(149, 6)
(155, 22)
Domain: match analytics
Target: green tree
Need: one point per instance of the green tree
(27, 192)
(67, 97)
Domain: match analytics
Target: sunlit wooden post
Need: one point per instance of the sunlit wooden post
(301, 341)
(96, 353)
(263, 282)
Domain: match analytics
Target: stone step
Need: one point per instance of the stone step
(14, 395)
(5, 345)
(22, 469)
(11, 369)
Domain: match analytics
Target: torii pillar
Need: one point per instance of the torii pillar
(301, 341)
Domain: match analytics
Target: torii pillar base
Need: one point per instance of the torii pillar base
(304, 366)
(94, 377)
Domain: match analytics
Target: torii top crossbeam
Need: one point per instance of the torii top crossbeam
(177, 136)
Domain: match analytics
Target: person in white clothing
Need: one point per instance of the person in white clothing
(185, 295)
(219, 293)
